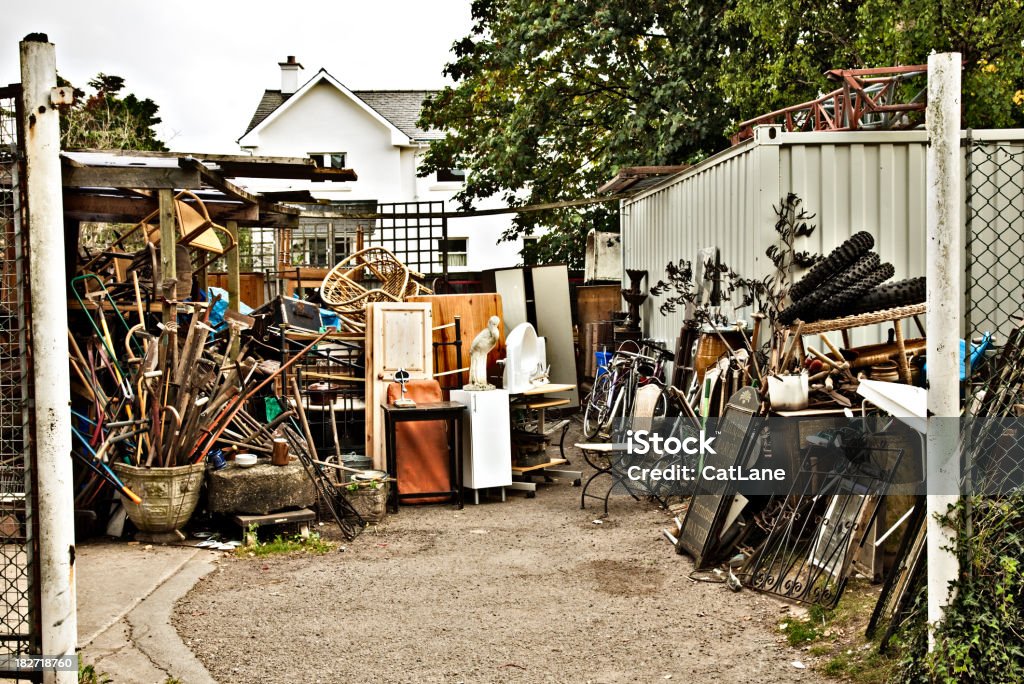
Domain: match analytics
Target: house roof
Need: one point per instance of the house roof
(401, 108)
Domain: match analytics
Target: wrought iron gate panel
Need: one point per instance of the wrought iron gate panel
(19, 624)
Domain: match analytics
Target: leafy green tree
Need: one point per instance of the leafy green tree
(107, 120)
(552, 97)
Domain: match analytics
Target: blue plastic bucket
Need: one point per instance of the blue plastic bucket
(603, 359)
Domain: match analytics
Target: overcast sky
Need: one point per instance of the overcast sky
(207, 63)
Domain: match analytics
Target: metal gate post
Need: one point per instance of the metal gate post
(944, 271)
(52, 426)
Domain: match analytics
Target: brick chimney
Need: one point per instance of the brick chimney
(289, 75)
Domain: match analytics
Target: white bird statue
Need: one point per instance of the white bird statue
(484, 342)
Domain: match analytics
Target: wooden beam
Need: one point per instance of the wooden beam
(168, 245)
(242, 165)
(234, 271)
(129, 177)
(292, 171)
(331, 213)
(129, 209)
(211, 158)
(218, 181)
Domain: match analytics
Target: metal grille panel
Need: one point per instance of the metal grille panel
(18, 623)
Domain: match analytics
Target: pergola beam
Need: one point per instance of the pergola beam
(131, 208)
(143, 177)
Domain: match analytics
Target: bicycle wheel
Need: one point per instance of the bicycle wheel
(596, 411)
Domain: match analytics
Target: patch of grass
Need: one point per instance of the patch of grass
(809, 630)
(799, 632)
(835, 638)
(312, 544)
(837, 666)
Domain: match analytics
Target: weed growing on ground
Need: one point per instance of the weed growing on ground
(799, 632)
(312, 544)
(87, 674)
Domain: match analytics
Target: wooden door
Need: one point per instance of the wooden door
(398, 335)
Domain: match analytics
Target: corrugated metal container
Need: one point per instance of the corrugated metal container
(873, 181)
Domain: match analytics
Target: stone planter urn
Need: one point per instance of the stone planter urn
(169, 496)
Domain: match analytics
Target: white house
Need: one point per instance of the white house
(373, 132)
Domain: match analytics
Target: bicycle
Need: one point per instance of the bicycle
(614, 391)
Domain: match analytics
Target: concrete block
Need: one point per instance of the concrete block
(259, 490)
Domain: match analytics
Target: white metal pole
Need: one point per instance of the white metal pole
(51, 382)
(944, 323)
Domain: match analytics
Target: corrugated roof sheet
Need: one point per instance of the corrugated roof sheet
(400, 107)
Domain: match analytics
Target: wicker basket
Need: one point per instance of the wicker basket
(370, 503)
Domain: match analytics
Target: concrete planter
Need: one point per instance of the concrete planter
(169, 496)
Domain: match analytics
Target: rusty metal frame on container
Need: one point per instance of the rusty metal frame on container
(863, 92)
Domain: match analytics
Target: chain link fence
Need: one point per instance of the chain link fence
(993, 308)
(19, 626)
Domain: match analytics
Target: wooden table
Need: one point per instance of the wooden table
(534, 400)
(844, 324)
(451, 411)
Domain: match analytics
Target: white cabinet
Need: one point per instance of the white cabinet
(487, 440)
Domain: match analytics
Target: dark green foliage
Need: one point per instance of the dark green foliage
(552, 98)
(982, 637)
(107, 120)
(793, 43)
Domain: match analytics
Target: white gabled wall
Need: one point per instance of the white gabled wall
(325, 120)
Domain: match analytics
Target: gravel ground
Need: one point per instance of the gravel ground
(530, 590)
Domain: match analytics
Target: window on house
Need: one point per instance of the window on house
(310, 251)
(329, 160)
(451, 175)
(455, 251)
(309, 244)
(344, 245)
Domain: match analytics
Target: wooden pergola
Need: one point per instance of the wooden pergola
(125, 186)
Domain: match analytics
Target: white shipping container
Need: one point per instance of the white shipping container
(850, 181)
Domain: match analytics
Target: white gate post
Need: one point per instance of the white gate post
(944, 324)
(51, 382)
